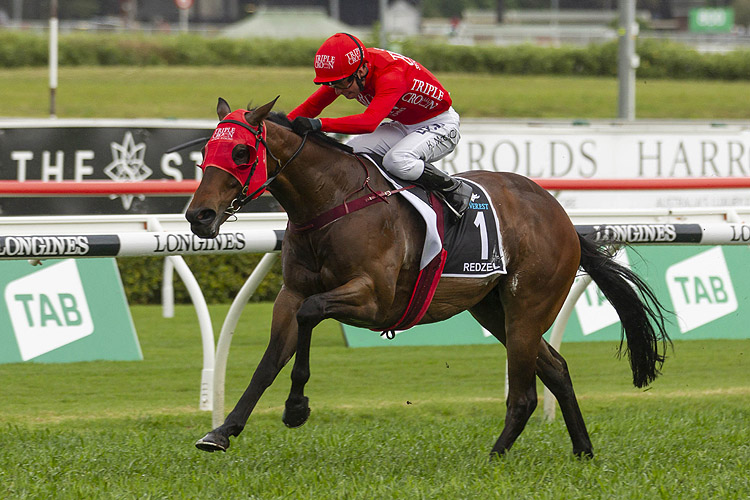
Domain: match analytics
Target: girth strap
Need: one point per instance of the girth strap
(427, 282)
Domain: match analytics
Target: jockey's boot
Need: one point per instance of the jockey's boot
(456, 192)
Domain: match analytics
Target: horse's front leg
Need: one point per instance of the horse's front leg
(280, 349)
(352, 300)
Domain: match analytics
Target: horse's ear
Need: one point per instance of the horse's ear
(259, 114)
(222, 108)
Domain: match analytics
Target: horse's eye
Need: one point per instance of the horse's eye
(241, 154)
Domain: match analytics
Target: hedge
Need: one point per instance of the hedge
(659, 58)
(20, 49)
(219, 276)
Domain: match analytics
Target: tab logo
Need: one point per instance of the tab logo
(48, 309)
(701, 289)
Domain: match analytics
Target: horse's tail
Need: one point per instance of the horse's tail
(641, 314)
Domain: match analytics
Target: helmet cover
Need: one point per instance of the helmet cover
(227, 136)
(339, 57)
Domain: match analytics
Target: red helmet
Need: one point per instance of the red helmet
(339, 57)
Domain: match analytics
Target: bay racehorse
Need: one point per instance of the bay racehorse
(360, 268)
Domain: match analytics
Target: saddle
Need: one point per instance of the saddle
(473, 243)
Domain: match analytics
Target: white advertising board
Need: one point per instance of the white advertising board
(610, 151)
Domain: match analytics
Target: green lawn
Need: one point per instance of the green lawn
(405, 422)
(191, 92)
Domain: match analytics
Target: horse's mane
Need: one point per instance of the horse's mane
(280, 118)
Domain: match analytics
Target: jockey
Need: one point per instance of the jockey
(423, 125)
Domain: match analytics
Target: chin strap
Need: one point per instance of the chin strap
(361, 81)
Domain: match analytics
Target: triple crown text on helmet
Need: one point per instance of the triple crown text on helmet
(323, 61)
(353, 56)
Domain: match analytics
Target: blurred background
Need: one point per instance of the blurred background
(708, 25)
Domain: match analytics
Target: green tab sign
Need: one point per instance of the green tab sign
(701, 285)
(711, 20)
(66, 310)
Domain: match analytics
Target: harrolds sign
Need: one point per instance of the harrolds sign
(609, 151)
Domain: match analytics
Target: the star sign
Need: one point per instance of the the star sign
(128, 165)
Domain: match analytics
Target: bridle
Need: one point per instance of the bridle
(243, 197)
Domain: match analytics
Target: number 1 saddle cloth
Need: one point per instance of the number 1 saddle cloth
(470, 247)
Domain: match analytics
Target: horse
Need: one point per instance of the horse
(360, 268)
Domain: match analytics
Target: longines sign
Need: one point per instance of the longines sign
(133, 150)
(137, 244)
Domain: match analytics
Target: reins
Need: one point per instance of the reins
(319, 221)
(323, 219)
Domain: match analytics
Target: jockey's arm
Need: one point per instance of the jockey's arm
(389, 91)
(315, 104)
(387, 95)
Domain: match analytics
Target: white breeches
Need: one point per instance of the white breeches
(406, 148)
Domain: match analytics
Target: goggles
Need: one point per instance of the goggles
(342, 84)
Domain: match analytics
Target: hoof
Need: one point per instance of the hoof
(212, 442)
(296, 414)
(584, 454)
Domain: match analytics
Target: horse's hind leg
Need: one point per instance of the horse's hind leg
(553, 371)
(520, 339)
(521, 329)
(521, 345)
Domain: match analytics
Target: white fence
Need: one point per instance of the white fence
(23, 237)
(36, 238)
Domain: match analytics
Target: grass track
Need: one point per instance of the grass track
(191, 92)
(387, 423)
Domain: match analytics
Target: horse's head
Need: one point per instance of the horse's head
(234, 168)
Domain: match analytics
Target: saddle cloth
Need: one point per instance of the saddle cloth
(473, 243)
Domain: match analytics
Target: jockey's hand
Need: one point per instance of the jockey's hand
(303, 125)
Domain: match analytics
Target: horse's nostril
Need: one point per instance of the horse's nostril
(204, 216)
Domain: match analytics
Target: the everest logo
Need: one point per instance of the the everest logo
(48, 309)
(128, 165)
(701, 289)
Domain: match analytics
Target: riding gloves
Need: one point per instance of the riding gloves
(303, 125)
